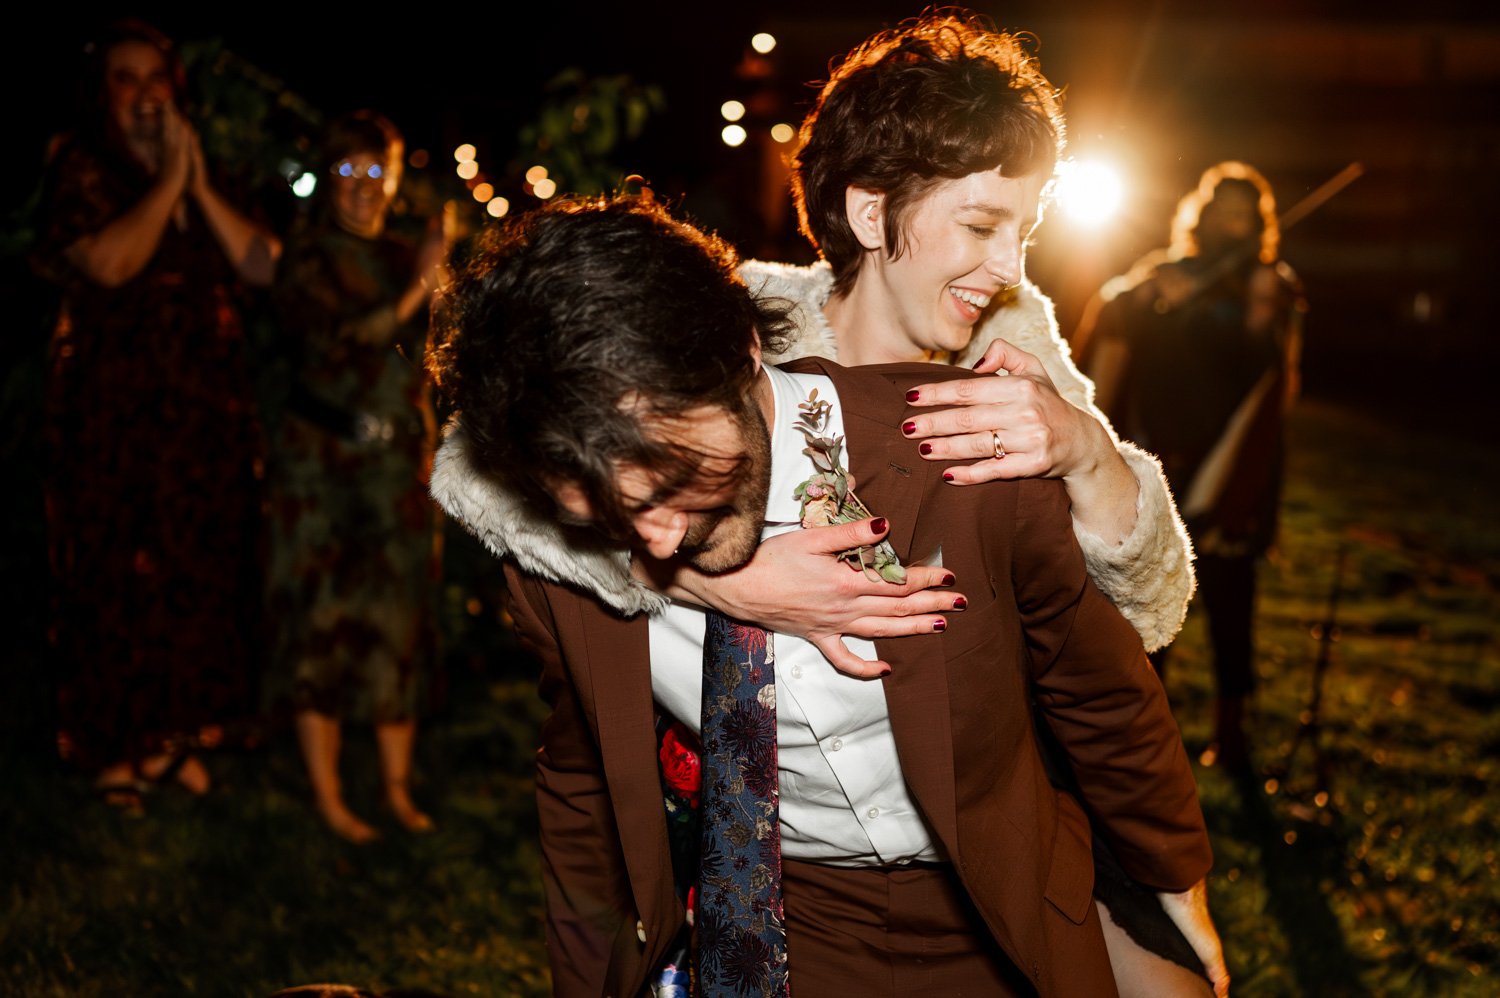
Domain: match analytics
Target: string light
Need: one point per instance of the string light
(304, 185)
(732, 135)
(763, 42)
(468, 169)
(732, 110)
(544, 188)
(497, 207)
(464, 153)
(783, 132)
(483, 192)
(536, 175)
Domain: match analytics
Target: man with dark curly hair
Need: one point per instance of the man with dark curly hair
(604, 364)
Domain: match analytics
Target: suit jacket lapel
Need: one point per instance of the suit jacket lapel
(891, 478)
(618, 653)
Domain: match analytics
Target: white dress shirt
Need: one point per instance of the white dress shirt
(844, 800)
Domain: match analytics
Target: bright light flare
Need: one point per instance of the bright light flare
(497, 207)
(733, 135)
(464, 153)
(483, 192)
(763, 42)
(783, 132)
(732, 110)
(468, 170)
(1088, 192)
(536, 175)
(304, 185)
(544, 188)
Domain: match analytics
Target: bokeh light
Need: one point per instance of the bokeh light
(763, 42)
(733, 135)
(304, 185)
(483, 192)
(417, 159)
(468, 169)
(497, 207)
(732, 110)
(544, 188)
(464, 153)
(783, 132)
(536, 175)
(1088, 192)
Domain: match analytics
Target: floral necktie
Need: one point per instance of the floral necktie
(741, 935)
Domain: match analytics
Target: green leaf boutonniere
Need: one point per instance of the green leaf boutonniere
(827, 498)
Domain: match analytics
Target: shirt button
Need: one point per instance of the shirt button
(873, 812)
(836, 744)
(796, 672)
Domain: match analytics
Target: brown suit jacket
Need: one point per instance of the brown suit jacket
(1036, 630)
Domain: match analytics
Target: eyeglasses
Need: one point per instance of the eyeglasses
(353, 171)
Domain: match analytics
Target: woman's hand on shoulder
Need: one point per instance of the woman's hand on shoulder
(795, 584)
(1014, 425)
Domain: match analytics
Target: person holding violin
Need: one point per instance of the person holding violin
(1195, 354)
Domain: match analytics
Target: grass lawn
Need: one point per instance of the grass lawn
(1378, 878)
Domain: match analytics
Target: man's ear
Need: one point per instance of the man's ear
(571, 498)
(661, 529)
(865, 211)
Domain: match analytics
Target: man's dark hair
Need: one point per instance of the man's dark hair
(937, 98)
(579, 325)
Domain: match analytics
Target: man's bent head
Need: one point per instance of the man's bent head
(602, 356)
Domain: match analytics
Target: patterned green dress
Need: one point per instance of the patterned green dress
(355, 552)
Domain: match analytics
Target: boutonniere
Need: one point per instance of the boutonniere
(827, 498)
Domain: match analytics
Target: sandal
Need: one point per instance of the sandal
(127, 794)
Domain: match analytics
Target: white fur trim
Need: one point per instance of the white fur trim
(1149, 575)
(511, 528)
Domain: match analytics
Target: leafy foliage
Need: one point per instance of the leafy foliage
(582, 123)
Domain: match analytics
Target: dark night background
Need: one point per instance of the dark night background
(1398, 266)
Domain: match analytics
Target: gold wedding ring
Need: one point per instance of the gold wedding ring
(999, 447)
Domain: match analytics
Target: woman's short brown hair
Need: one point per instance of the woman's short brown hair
(937, 98)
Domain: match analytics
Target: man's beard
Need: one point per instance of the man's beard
(728, 542)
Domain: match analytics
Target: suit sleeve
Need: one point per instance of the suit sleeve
(1148, 574)
(1102, 701)
(583, 873)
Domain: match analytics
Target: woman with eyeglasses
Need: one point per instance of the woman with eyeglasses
(354, 554)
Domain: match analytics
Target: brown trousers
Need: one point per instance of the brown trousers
(890, 931)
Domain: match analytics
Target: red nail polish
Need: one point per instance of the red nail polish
(908, 428)
(959, 603)
(978, 362)
(948, 580)
(939, 625)
(885, 673)
(913, 395)
(947, 476)
(878, 524)
(925, 448)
